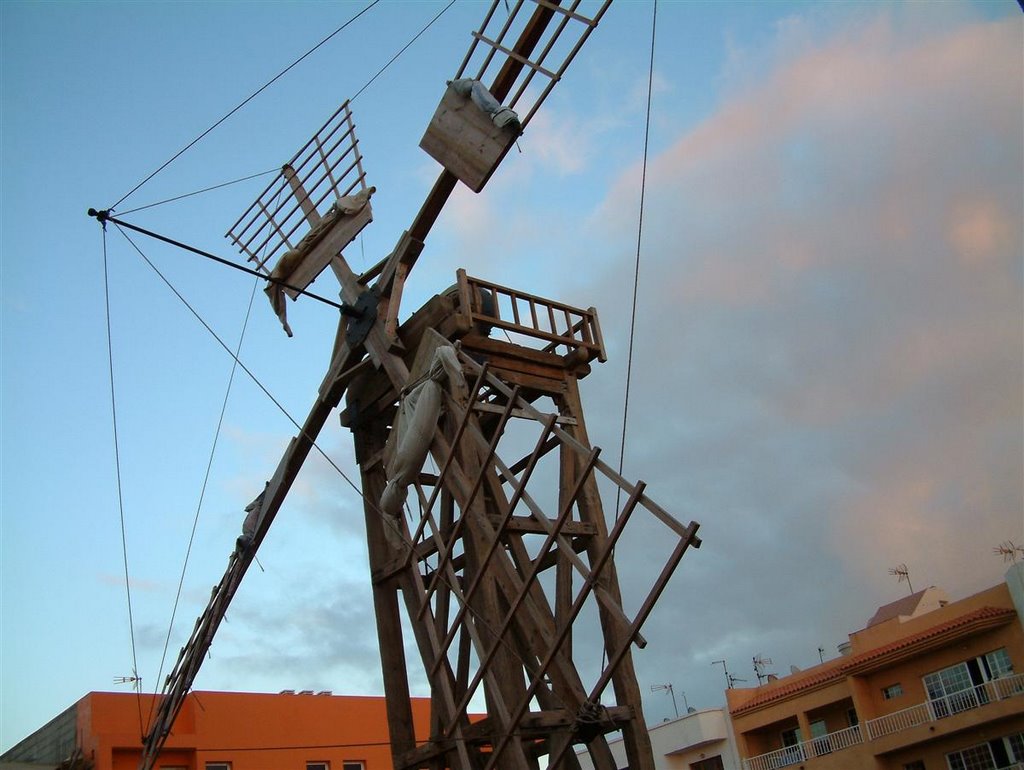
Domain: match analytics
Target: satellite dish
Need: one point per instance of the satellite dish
(794, 670)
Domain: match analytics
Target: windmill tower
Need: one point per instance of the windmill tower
(493, 562)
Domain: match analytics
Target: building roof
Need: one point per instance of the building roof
(972, 622)
(836, 670)
(916, 604)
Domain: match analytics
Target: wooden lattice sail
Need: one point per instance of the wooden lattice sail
(473, 129)
(310, 212)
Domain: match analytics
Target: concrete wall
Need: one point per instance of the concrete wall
(1015, 585)
(48, 746)
(251, 730)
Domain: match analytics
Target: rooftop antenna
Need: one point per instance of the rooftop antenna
(759, 665)
(903, 574)
(821, 654)
(657, 687)
(730, 680)
(134, 680)
(1009, 551)
(725, 669)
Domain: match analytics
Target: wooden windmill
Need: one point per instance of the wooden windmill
(499, 557)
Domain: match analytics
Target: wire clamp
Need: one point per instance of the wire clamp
(101, 216)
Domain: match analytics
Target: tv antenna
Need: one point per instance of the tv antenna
(759, 665)
(659, 687)
(1009, 551)
(134, 681)
(730, 680)
(902, 573)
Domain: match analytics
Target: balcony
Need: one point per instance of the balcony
(872, 729)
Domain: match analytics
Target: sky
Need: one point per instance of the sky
(827, 360)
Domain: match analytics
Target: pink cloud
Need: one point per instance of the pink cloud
(830, 286)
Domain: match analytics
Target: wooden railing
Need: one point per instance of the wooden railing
(562, 328)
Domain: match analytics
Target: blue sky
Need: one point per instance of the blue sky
(828, 366)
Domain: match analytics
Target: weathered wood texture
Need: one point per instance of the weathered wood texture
(463, 139)
(470, 561)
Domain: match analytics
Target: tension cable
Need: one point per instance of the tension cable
(403, 50)
(198, 192)
(120, 495)
(639, 236)
(387, 521)
(202, 492)
(241, 104)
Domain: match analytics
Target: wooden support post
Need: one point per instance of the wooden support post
(636, 739)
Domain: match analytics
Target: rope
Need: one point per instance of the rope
(221, 342)
(392, 60)
(636, 270)
(197, 192)
(274, 170)
(120, 495)
(245, 101)
(202, 493)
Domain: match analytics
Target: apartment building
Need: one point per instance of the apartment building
(698, 740)
(219, 731)
(928, 684)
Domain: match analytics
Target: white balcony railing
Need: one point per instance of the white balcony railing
(787, 755)
(948, 705)
(816, 747)
(836, 741)
(929, 711)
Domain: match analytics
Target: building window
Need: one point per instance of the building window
(973, 758)
(218, 766)
(819, 733)
(791, 740)
(997, 664)
(353, 766)
(917, 764)
(1016, 746)
(892, 691)
(711, 763)
(1000, 753)
(851, 717)
(959, 687)
(318, 766)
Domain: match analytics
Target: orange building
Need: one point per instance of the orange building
(221, 731)
(929, 684)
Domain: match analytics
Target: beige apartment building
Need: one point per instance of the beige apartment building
(929, 684)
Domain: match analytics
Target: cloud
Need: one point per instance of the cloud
(827, 371)
(828, 361)
(325, 641)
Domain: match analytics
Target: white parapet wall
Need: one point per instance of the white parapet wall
(1015, 582)
(685, 741)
